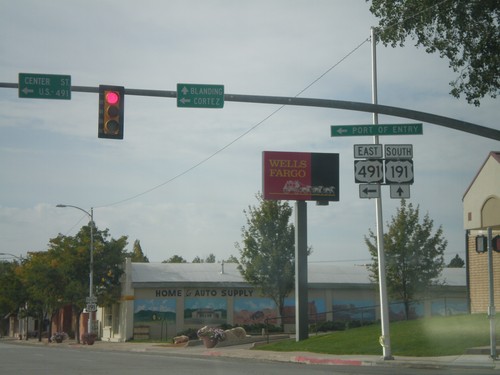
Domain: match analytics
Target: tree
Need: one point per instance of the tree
(467, 33)
(42, 279)
(456, 262)
(267, 250)
(12, 293)
(175, 259)
(209, 259)
(72, 255)
(109, 255)
(137, 254)
(231, 259)
(414, 256)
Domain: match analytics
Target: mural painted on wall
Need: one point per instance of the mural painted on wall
(397, 311)
(153, 310)
(152, 318)
(254, 311)
(362, 310)
(201, 311)
(317, 310)
(449, 306)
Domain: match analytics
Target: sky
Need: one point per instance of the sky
(181, 178)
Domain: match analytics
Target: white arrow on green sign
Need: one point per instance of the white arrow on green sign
(379, 129)
(44, 86)
(200, 96)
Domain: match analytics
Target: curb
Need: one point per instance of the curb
(466, 361)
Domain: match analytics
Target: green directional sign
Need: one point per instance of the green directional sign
(379, 129)
(200, 96)
(44, 86)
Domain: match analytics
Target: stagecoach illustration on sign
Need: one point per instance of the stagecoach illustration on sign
(296, 187)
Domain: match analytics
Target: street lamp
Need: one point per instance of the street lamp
(91, 272)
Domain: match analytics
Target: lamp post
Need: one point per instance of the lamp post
(91, 272)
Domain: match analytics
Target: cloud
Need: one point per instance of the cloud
(177, 182)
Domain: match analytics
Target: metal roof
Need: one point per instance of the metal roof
(216, 273)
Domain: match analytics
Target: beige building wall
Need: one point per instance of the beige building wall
(481, 211)
(479, 276)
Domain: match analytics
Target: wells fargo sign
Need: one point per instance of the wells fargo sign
(300, 176)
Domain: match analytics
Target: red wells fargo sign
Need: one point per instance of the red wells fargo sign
(300, 176)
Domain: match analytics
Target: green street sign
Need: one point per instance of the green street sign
(379, 129)
(200, 96)
(44, 86)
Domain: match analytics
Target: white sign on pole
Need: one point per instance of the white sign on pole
(369, 151)
(399, 171)
(398, 151)
(400, 191)
(369, 191)
(370, 171)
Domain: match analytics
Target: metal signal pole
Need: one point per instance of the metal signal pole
(385, 339)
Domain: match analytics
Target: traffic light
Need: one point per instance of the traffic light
(481, 244)
(495, 243)
(111, 104)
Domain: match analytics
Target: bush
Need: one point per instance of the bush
(328, 326)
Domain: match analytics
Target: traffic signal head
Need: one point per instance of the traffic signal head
(481, 244)
(495, 243)
(111, 105)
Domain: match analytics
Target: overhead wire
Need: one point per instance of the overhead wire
(252, 128)
(258, 124)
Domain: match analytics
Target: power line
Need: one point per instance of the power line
(203, 161)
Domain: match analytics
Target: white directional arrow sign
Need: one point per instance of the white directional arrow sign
(340, 131)
(400, 191)
(369, 191)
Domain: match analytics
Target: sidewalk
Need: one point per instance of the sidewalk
(468, 361)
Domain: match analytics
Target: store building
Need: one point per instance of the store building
(159, 300)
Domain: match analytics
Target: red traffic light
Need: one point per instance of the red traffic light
(111, 108)
(112, 97)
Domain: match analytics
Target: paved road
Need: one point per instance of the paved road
(148, 359)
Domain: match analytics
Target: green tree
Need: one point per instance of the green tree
(72, 255)
(109, 255)
(231, 259)
(267, 250)
(42, 279)
(414, 256)
(466, 33)
(175, 259)
(456, 262)
(12, 293)
(137, 253)
(209, 259)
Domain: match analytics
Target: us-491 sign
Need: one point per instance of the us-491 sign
(370, 171)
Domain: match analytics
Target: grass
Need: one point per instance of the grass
(438, 336)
